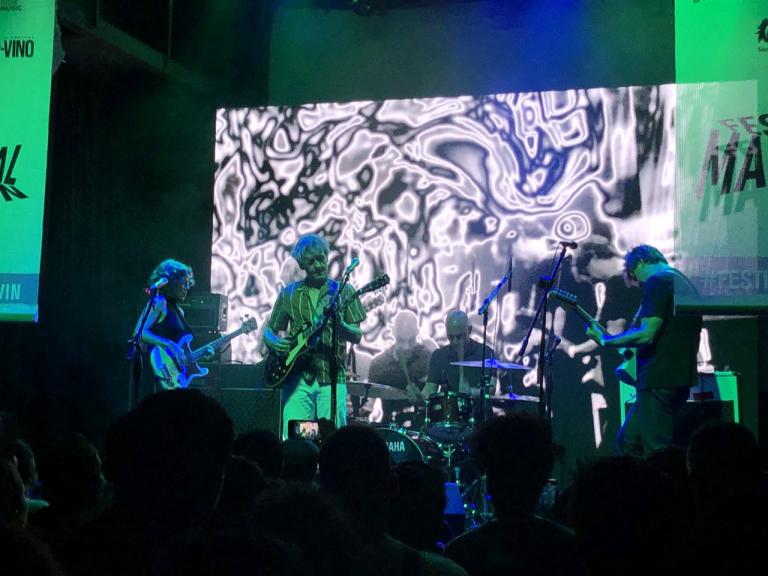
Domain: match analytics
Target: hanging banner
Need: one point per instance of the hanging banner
(722, 141)
(26, 51)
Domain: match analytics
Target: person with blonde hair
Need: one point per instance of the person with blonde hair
(306, 392)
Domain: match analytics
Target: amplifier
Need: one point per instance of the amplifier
(239, 389)
(712, 387)
(206, 312)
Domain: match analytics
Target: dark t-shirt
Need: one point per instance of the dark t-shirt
(441, 371)
(387, 369)
(670, 360)
(522, 546)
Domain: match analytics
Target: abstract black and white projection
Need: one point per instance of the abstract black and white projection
(440, 193)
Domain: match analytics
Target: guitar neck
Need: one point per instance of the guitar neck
(200, 352)
(587, 317)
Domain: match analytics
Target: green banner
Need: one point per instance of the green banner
(26, 51)
(722, 139)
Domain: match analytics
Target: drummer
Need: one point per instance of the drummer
(443, 375)
(404, 365)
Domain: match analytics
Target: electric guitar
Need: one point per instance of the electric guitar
(178, 375)
(627, 371)
(277, 367)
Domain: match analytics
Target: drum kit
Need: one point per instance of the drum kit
(449, 419)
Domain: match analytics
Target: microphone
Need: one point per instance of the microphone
(157, 285)
(569, 244)
(509, 275)
(352, 265)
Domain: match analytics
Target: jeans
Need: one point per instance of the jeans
(303, 400)
(650, 422)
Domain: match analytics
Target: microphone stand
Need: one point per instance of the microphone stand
(331, 313)
(550, 380)
(483, 311)
(134, 353)
(545, 283)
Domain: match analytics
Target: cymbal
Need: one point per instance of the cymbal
(491, 363)
(374, 390)
(505, 400)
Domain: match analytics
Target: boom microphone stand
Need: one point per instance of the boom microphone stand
(134, 353)
(545, 283)
(483, 311)
(331, 313)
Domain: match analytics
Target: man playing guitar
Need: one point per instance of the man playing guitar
(666, 352)
(306, 392)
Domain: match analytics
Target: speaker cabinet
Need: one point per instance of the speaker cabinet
(206, 312)
(713, 391)
(250, 408)
(206, 315)
(694, 414)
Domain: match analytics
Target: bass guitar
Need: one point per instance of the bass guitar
(178, 375)
(627, 371)
(277, 367)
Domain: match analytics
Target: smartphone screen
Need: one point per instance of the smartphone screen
(306, 429)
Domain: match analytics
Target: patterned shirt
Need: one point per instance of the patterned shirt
(293, 311)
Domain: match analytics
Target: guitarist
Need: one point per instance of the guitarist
(666, 351)
(166, 324)
(306, 393)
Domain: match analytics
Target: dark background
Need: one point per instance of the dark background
(131, 142)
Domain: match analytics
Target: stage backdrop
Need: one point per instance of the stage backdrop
(722, 127)
(440, 193)
(26, 49)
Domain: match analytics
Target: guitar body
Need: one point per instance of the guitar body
(277, 367)
(170, 374)
(627, 370)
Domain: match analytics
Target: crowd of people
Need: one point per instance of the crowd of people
(174, 492)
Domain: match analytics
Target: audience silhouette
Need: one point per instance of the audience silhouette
(516, 454)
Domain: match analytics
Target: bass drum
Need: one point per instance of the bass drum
(450, 416)
(405, 445)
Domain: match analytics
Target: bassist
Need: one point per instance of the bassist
(666, 352)
(166, 325)
(306, 392)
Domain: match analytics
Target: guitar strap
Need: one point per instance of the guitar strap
(182, 317)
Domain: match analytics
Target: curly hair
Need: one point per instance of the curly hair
(176, 272)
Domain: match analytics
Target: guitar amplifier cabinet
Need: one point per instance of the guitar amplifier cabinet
(240, 391)
(206, 314)
(714, 398)
(250, 408)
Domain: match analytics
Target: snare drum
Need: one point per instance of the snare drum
(405, 445)
(449, 415)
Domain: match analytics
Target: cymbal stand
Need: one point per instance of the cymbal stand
(485, 376)
(478, 509)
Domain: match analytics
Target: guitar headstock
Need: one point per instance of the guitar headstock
(565, 298)
(249, 325)
(379, 282)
